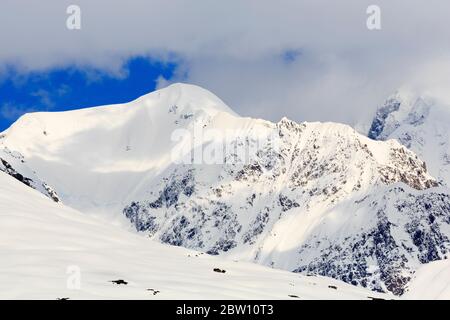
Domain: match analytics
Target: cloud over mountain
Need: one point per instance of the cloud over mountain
(339, 71)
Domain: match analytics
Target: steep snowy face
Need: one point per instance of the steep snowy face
(421, 124)
(316, 198)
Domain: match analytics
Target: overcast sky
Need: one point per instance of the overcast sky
(305, 59)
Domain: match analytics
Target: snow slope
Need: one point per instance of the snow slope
(431, 282)
(315, 198)
(41, 240)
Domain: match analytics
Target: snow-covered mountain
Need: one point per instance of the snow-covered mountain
(420, 122)
(22, 173)
(315, 198)
(50, 251)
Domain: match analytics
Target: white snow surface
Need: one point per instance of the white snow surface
(41, 239)
(431, 282)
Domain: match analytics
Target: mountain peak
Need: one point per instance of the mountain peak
(419, 121)
(188, 96)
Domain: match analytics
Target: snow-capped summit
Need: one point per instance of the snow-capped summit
(183, 168)
(156, 112)
(86, 154)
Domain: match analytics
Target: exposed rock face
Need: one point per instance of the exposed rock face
(381, 126)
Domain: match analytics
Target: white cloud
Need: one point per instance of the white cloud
(236, 48)
(44, 98)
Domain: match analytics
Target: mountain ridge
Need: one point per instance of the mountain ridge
(294, 196)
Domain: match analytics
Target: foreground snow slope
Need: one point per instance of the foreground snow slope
(315, 198)
(40, 239)
(432, 281)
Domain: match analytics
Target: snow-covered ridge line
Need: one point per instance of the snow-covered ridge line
(326, 201)
(431, 282)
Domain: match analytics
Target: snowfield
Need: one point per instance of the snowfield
(422, 124)
(40, 241)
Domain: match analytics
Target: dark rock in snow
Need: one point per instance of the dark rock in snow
(219, 270)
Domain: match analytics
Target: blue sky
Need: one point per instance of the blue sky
(74, 88)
